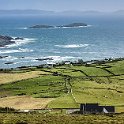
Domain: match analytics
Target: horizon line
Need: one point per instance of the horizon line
(60, 11)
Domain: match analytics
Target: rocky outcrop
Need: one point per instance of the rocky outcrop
(42, 26)
(6, 40)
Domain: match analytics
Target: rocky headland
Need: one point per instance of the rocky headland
(6, 40)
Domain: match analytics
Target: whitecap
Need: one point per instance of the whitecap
(84, 52)
(61, 58)
(15, 51)
(73, 46)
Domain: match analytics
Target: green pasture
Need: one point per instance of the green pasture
(72, 85)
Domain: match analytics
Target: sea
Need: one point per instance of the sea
(102, 38)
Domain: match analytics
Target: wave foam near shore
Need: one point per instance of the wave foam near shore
(73, 46)
(15, 51)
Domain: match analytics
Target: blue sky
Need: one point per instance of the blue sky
(62, 5)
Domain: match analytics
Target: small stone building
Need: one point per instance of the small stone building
(95, 108)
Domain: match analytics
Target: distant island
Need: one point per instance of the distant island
(6, 40)
(41, 26)
(61, 26)
(74, 25)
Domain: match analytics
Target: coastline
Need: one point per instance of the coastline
(78, 62)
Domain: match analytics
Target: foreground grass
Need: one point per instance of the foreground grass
(60, 119)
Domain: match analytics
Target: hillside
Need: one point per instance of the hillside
(68, 85)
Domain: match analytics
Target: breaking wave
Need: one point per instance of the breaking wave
(15, 51)
(73, 46)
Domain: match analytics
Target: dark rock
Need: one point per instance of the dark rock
(42, 26)
(44, 59)
(19, 38)
(9, 63)
(6, 40)
(1, 57)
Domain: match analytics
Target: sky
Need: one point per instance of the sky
(63, 5)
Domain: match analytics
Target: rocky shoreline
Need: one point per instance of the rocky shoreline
(78, 63)
(7, 40)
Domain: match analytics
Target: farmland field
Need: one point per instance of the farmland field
(67, 86)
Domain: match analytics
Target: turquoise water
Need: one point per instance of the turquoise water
(103, 38)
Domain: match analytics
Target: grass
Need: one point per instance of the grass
(60, 119)
(16, 76)
(65, 101)
(117, 67)
(40, 87)
(74, 85)
(91, 91)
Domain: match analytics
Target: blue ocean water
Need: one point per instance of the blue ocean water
(103, 38)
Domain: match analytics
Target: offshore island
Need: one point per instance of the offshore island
(72, 25)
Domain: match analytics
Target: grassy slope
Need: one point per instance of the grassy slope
(14, 76)
(75, 85)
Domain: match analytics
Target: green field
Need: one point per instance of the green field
(71, 85)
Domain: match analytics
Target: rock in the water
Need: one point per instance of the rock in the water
(1, 57)
(19, 38)
(5, 37)
(9, 63)
(43, 59)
